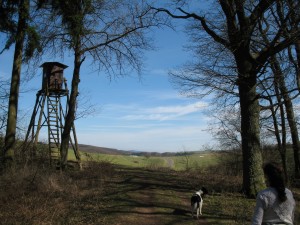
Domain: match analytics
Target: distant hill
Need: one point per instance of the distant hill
(95, 149)
(113, 151)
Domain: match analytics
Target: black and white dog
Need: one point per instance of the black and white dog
(197, 201)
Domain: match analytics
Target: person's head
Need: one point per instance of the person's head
(275, 177)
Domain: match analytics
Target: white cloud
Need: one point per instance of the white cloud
(178, 109)
(148, 128)
(158, 113)
(162, 95)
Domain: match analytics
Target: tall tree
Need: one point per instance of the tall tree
(295, 64)
(10, 136)
(25, 41)
(111, 33)
(275, 121)
(233, 27)
(287, 101)
(285, 74)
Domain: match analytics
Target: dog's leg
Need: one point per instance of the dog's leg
(200, 208)
(192, 209)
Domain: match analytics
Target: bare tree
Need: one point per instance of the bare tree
(230, 30)
(284, 75)
(110, 33)
(274, 122)
(226, 127)
(290, 115)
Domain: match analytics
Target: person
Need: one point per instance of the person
(275, 204)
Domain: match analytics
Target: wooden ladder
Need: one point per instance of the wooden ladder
(53, 128)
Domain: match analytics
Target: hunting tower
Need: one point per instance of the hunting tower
(50, 110)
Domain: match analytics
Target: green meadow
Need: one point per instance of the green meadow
(178, 162)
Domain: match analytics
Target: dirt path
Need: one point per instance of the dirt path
(145, 197)
(170, 163)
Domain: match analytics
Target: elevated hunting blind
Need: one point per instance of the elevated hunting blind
(54, 96)
(53, 76)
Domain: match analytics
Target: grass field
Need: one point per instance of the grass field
(178, 163)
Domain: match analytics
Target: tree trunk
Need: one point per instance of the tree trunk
(289, 113)
(70, 117)
(283, 135)
(297, 49)
(281, 140)
(10, 136)
(253, 177)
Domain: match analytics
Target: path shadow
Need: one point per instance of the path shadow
(181, 212)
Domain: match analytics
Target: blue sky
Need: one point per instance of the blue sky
(145, 114)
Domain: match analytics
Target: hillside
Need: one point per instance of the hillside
(113, 151)
(103, 150)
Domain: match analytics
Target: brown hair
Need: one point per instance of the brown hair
(275, 176)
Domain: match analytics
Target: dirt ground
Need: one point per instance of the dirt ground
(106, 194)
(147, 197)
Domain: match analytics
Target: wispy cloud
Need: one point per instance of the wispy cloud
(161, 72)
(162, 95)
(159, 113)
(150, 139)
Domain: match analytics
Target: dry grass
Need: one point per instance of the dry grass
(102, 193)
(215, 178)
(36, 195)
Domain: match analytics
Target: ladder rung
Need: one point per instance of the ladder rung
(54, 130)
(53, 140)
(53, 146)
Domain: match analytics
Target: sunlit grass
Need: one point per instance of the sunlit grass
(125, 160)
(195, 161)
(179, 163)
